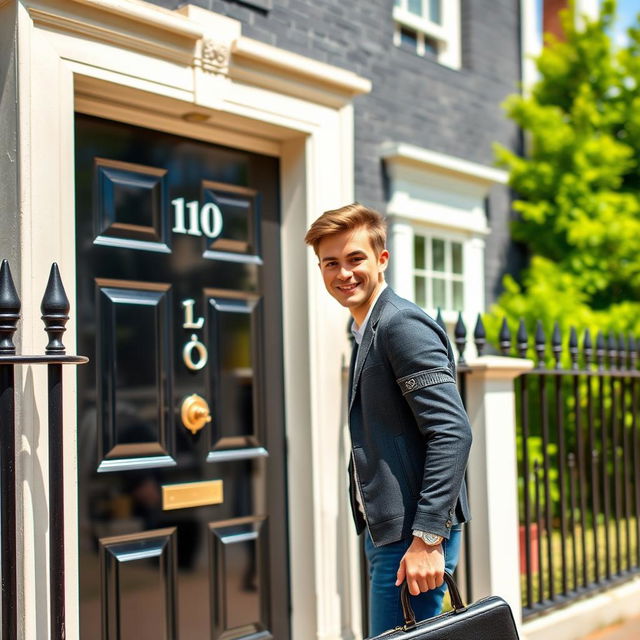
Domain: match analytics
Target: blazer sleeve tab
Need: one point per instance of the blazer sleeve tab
(423, 379)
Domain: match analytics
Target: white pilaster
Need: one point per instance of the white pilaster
(493, 478)
(401, 264)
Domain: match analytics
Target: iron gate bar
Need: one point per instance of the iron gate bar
(605, 479)
(43, 359)
(55, 314)
(582, 480)
(8, 499)
(538, 510)
(524, 410)
(546, 469)
(636, 463)
(9, 317)
(625, 474)
(595, 506)
(614, 456)
(561, 480)
(571, 461)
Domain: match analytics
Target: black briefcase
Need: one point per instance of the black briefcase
(486, 619)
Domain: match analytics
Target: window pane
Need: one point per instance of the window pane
(458, 296)
(421, 291)
(419, 261)
(434, 11)
(408, 39)
(415, 6)
(438, 255)
(430, 47)
(456, 255)
(439, 295)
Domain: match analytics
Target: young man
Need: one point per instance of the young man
(410, 434)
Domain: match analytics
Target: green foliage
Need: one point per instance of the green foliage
(579, 186)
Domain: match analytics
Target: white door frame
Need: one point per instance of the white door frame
(190, 72)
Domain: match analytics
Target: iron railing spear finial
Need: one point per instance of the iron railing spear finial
(587, 349)
(505, 338)
(600, 350)
(479, 335)
(556, 344)
(540, 345)
(612, 351)
(9, 309)
(460, 333)
(622, 352)
(522, 339)
(55, 311)
(573, 347)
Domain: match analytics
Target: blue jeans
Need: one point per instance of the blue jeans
(385, 610)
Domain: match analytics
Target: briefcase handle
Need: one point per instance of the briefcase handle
(407, 609)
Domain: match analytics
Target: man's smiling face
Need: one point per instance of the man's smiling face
(351, 271)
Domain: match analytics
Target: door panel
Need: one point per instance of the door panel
(139, 577)
(178, 294)
(126, 389)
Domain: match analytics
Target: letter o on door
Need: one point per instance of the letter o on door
(187, 354)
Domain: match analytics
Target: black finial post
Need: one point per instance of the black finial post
(600, 350)
(556, 344)
(55, 311)
(573, 347)
(612, 350)
(633, 354)
(622, 352)
(522, 339)
(460, 333)
(440, 320)
(9, 316)
(505, 338)
(587, 349)
(540, 344)
(9, 309)
(479, 335)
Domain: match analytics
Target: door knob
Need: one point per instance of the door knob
(195, 412)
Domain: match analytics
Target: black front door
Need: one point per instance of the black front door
(181, 483)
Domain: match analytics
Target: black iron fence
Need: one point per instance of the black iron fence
(55, 313)
(578, 441)
(578, 467)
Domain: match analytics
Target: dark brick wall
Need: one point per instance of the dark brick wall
(414, 99)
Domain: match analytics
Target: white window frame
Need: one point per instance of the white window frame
(446, 35)
(442, 196)
(430, 234)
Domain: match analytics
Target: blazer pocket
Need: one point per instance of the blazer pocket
(405, 463)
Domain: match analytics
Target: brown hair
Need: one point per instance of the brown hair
(347, 218)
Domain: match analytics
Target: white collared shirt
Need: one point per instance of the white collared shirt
(358, 332)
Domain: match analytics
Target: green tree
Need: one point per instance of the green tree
(579, 185)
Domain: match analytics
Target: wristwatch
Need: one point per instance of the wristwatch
(431, 539)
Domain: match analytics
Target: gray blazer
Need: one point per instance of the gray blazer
(410, 434)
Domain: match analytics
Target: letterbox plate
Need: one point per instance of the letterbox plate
(191, 494)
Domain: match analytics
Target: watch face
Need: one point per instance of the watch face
(432, 538)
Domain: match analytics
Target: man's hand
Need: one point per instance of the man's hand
(422, 566)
